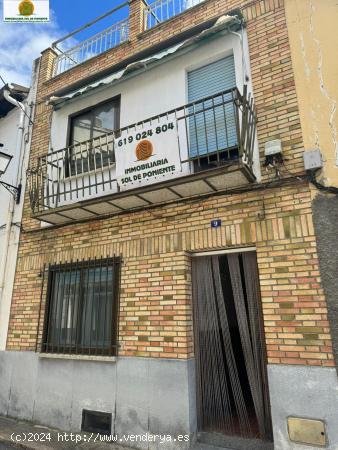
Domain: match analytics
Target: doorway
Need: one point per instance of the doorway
(231, 375)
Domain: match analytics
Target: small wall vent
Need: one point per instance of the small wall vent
(96, 422)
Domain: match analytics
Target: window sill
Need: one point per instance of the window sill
(110, 359)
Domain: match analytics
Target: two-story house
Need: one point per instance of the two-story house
(168, 280)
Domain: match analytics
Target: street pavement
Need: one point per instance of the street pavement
(6, 447)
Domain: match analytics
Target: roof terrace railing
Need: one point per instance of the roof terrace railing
(214, 131)
(101, 42)
(71, 55)
(161, 10)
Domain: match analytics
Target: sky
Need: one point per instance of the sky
(21, 43)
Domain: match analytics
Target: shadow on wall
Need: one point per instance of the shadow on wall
(325, 216)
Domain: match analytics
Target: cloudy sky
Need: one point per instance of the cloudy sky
(21, 43)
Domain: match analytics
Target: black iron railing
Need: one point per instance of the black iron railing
(82, 304)
(211, 132)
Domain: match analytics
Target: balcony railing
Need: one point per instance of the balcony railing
(70, 55)
(216, 131)
(95, 45)
(162, 10)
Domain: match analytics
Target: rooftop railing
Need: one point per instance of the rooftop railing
(112, 35)
(101, 42)
(71, 52)
(212, 132)
(161, 10)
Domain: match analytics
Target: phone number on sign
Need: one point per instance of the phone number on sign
(145, 134)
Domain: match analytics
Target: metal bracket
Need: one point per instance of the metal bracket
(15, 191)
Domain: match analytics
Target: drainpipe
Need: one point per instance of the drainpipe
(246, 77)
(19, 141)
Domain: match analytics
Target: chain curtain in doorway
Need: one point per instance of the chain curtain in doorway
(222, 395)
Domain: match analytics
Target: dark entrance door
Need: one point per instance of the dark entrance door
(232, 388)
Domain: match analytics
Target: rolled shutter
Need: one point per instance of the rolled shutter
(215, 129)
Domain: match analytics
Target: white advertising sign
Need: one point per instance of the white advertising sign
(147, 154)
(26, 10)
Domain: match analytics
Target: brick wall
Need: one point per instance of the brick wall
(155, 315)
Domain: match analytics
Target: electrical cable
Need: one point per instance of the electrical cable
(312, 179)
(286, 169)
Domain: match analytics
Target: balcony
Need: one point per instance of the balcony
(70, 55)
(191, 151)
(110, 30)
(161, 10)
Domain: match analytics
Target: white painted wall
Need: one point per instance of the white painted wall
(9, 136)
(156, 90)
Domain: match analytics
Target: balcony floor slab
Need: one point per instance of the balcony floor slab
(202, 183)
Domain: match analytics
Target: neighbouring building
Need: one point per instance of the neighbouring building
(16, 111)
(312, 34)
(168, 279)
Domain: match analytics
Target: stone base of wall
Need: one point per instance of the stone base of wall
(151, 395)
(307, 392)
(142, 394)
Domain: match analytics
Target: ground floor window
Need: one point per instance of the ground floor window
(82, 308)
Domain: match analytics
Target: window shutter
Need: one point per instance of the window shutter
(211, 79)
(213, 130)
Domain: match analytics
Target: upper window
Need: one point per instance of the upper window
(91, 138)
(212, 122)
(82, 308)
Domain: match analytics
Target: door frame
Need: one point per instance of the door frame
(229, 440)
(222, 252)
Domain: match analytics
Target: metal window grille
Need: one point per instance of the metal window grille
(82, 307)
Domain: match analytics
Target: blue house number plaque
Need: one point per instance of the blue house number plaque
(216, 223)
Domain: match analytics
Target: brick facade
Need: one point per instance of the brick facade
(155, 317)
(155, 304)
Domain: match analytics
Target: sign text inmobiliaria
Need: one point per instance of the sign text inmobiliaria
(147, 154)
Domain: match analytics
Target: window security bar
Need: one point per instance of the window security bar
(211, 132)
(82, 305)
